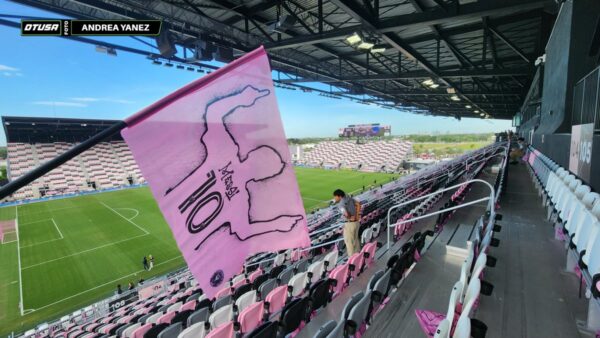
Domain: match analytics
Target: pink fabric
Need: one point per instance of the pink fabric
(140, 331)
(188, 306)
(276, 298)
(239, 283)
(340, 274)
(429, 321)
(558, 233)
(254, 274)
(251, 316)
(166, 318)
(217, 161)
(417, 256)
(223, 331)
(357, 260)
(223, 292)
(370, 248)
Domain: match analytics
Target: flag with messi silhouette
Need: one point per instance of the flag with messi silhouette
(215, 156)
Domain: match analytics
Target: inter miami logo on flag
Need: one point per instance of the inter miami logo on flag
(216, 158)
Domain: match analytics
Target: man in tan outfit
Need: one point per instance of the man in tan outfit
(351, 210)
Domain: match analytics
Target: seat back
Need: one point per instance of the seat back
(298, 284)
(454, 300)
(319, 294)
(479, 265)
(443, 329)
(129, 330)
(245, 300)
(471, 296)
(383, 284)
(172, 331)
(356, 260)
(293, 314)
(331, 259)
(267, 287)
(285, 275)
(220, 302)
(350, 304)
(463, 327)
(325, 329)
(221, 316)
(198, 316)
(265, 330)
(358, 313)
(240, 290)
(277, 298)
(223, 331)
(338, 330)
(373, 280)
(251, 316)
(316, 270)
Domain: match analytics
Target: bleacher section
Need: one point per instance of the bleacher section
(371, 156)
(313, 292)
(107, 165)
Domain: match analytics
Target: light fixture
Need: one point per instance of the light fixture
(377, 50)
(200, 70)
(450, 90)
(454, 98)
(365, 45)
(180, 67)
(475, 111)
(168, 64)
(84, 125)
(156, 62)
(468, 106)
(353, 39)
(427, 82)
(482, 114)
(191, 69)
(434, 86)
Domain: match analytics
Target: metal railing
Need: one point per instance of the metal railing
(491, 201)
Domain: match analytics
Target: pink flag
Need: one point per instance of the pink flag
(216, 158)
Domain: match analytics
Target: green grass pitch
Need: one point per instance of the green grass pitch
(75, 251)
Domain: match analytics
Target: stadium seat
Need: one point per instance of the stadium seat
(172, 331)
(265, 330)
(197, 330)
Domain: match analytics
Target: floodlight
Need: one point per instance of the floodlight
(353, 39)
(434, 86)
(377, 50)
(455, 98)
(365, 45)
(428, 82)
(468, 106)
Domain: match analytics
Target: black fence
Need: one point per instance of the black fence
(585, 101)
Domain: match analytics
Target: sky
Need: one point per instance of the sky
(56, 77)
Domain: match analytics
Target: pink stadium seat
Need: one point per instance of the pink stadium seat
(223, 331)
(251, 317)
(277, 298)
(191, 305)
(140, 331)
(340, 274)
(166, 318)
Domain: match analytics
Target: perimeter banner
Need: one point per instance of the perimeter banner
(217, 161)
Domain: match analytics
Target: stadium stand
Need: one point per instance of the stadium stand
(33, 141)
(370, 156)
(283, 293)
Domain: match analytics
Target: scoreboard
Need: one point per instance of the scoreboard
(365, 130)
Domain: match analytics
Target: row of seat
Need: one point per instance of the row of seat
(574, 209)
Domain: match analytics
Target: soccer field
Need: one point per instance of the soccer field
(74, 251)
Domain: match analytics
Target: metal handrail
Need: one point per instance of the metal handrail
(489, 199)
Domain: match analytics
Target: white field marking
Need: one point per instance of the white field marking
(314, 199)
(56, 226)
(84, 251)
(10, 232)
(21, 305)
(38, 221)
(9, 242)
(134, 216)
(40, 243)
(51, 210)
(125, 218)
(101, 285)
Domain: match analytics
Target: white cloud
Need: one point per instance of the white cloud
(59, 104)
(85, 99)
(120, 101)
(8, 68)
(7, 74)
(97, 99)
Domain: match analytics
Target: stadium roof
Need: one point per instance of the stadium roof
(48, 130)
(480, 53)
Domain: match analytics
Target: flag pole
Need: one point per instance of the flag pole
(43, 169)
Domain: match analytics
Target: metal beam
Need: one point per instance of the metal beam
(393, 24)
(483, 73)
(512, 46)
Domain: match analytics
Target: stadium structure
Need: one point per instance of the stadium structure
(33, 141)
(469, 247)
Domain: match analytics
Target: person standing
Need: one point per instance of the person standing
(151, 262)
(145, 263)
(350, 208)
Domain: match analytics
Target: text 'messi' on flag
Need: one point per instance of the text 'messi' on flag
(215, 156)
